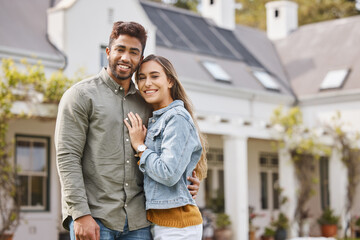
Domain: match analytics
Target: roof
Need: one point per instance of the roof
(313, 50)
(23, 26)
(187, 38)
(188, 31)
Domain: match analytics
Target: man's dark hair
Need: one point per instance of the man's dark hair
(132, 29)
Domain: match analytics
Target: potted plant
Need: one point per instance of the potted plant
(281, 224)
(328, 222)
(252, 227)
(223, 230)
(268, 234)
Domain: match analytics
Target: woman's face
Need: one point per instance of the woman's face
(154, 85)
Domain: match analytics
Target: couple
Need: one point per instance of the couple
(99, 128)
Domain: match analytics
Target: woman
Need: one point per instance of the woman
(172, 148)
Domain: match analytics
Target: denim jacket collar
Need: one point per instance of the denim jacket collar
(158, 113)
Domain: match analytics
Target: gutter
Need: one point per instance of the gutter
(52, 3)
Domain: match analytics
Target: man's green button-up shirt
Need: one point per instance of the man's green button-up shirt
(96, 164)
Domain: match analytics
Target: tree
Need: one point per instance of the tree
(347, 143)
(305, 149)
(253, 12)
(16, 85)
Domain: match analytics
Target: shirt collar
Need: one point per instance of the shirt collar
(114, 86)
(175, 103)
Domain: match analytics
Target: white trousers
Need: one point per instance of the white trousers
(171, 233)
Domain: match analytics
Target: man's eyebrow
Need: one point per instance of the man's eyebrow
(123, 46)
(135, 49)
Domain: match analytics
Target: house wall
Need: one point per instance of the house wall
(35, 225)
(82, 33)
(318, 112)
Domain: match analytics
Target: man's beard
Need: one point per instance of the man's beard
(116, 75)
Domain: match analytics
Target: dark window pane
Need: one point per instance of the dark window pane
(221, 182)
(208, 188)
(264, 190)
(324, 182)
(274, 162)
(275, 179)
(262, 161)
(24, 190)
(37, 191)
(220, 157)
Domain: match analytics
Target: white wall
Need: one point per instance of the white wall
(83, 32)
(37, 225)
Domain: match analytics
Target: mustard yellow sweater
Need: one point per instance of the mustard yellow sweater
(185, 216)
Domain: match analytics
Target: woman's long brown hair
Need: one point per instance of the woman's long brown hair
(178, 93)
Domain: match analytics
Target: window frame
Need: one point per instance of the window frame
(102, 54)
(266, 172)
(47, 173)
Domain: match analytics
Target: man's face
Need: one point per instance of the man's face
(124, 56)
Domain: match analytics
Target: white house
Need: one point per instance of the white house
(234, 75)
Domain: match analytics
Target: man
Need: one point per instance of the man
(102, 188)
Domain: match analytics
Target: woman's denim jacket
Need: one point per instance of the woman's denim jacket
(174, 149)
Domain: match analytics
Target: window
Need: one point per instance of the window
(334, 79)
(216, 71)
(269, 180)
(103, 57)
(32, 157)
(214, 183)
(324, 182)
(266, 80)
(276, 13)
(110, 15)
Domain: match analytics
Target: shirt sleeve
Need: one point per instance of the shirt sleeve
(179, 142)
(70, 137)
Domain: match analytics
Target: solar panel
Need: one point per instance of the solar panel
(239, 47)
(155, 14)
(182, 24)
(193, 33)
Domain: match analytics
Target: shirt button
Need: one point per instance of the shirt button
(126, 184)
(127, 139)
(121, 88)
(153, 120)
(116, 91)
(124, 99)
(127, 161)
(125, 205)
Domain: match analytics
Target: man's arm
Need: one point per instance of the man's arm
(70, 138)
(194, 187)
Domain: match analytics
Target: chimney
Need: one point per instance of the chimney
(222, 12)
(281, 18)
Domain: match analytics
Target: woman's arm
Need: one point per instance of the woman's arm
(179, 142)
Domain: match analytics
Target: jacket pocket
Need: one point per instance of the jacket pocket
(154, 139)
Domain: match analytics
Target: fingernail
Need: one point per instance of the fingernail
(126, 119)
